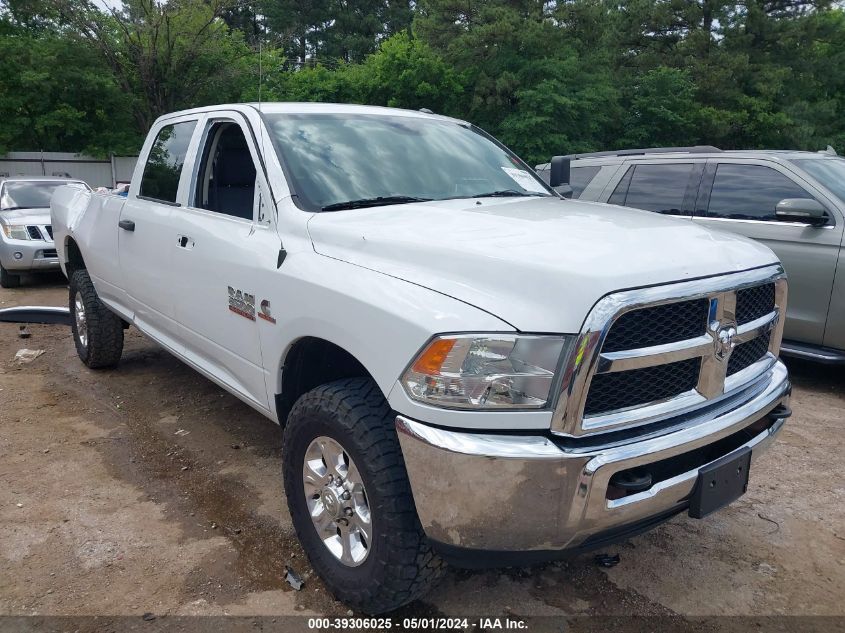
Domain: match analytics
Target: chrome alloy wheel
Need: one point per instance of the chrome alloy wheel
(337, 501)
(81, 320)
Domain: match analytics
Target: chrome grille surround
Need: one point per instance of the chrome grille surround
(588, 359)
(43, 232)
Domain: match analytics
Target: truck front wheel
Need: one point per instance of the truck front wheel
(350, 499)
(97, 331)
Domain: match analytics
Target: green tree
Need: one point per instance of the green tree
(167, 55)
(298, 26)
(341, 84)
(357, 26)
(406, 73)
(526, 79)
(662, 110)
(56, 94)
(327, 31)
(546, 77)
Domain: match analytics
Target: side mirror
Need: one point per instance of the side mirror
(559, 171)
(801, 210)
(559, 176)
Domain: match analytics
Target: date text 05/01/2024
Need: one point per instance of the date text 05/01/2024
(388, 623)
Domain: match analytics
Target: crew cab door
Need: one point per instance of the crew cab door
(225, 253)
(740, 195)
(144, 228)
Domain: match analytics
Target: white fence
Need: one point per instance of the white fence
(97, 172)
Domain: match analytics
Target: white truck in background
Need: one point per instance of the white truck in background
(467, 367)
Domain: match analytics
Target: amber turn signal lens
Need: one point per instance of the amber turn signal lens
(432, 359)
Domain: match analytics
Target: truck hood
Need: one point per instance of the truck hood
(539, 264)
(25, 216)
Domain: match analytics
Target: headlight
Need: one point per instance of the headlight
(16, 231)
(486, 371)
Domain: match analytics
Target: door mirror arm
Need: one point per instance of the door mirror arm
(564, 191)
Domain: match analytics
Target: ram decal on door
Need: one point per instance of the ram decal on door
(242, 303)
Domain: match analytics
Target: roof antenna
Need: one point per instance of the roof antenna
(260, 79)
(282, 252)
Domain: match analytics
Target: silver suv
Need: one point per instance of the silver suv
(26, 237)
(794, 202)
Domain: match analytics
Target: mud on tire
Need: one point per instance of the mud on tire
(99, 335)
(400, 566)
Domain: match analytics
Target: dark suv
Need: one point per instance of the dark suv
(794, 202)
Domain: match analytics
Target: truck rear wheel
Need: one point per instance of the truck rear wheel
(8, 280)
(97, 331)
(350, 499)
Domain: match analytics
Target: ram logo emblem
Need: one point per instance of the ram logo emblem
(724, 340)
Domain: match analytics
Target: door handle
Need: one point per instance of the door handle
(183, 241)
(126, 225)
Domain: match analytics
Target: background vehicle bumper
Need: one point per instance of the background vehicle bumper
(34, 255)
(536, 494)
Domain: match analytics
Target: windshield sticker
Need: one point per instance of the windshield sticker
(524, 179)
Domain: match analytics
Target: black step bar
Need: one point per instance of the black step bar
(819, 354)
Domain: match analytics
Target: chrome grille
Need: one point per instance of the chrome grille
(49, 230)
(657, 325)
(34, 233)
(647, 355)
(624, 389)
(746, 354)
(755, 302)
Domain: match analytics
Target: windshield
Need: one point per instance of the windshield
(334, 159)
(830, 172)
(31, 194)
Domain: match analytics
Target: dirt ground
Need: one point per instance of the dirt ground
(149, 489)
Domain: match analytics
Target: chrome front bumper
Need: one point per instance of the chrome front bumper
(509, 493)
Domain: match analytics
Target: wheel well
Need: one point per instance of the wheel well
(74, 257)
(312, 362)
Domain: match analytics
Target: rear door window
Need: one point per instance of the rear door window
(750, 192)
(164, 164)
(658, 188)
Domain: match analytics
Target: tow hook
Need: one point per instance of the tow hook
(780, 412)
(628, 482)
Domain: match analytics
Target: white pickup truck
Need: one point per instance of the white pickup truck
(467, 367)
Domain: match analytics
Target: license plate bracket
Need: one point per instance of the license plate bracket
(720, 483)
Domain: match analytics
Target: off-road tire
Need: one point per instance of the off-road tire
(400, 566)
(9, 280)
(104, 327)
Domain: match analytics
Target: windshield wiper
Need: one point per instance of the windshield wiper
(380, 201)
(506, 193)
